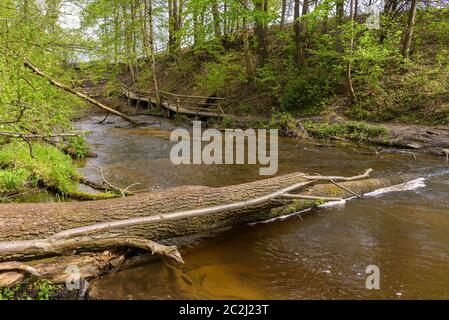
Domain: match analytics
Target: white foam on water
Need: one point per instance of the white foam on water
(406, 186)
(338, 203)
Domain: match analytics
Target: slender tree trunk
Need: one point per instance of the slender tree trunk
(340, 4)
(148, 35)
(261, 32)
(175, 26)
(407, 40)
(52, 14)
(216, 17)
(134, 38)
(116, 32)
(283, 13)
(79, 94)
(170, 26)
(128, 40)
(325, 26)
(298, 28)
(248, 62)
(350, 54)
(225, 19)
(195, 27)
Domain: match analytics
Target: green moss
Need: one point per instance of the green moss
(93, 196)
(47, 166)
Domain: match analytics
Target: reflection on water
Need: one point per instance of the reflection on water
(321, 254)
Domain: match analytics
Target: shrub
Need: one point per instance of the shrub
(48, 166)
(350, 130)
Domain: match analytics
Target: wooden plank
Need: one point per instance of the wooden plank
(175, 107)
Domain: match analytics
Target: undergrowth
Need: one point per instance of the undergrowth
(42, 165)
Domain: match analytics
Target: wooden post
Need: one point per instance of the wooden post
(177, 107)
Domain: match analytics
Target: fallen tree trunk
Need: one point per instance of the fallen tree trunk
(31, 231)
(77, 93)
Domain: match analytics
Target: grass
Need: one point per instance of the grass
(357, 131)
(48, 166)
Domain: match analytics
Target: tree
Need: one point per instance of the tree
(148, 34)
(298, 28)
(408, 34)
(216, 16)
(248, 62)
(283, 13)
(350, 53)
(340, 4)
(261, 17)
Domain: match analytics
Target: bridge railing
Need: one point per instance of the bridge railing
(193, 103)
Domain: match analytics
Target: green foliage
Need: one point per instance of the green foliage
(39, 290)
(77, 146)
(28, 101)
(228, 123)
(307, 92)
(45, 289)
(348, 130)
(48, 166)
(226, 71)
(13, 179)
(282, 119)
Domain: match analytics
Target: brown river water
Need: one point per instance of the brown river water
(320, 254)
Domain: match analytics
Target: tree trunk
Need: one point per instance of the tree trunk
(298, 26)
(350, 54)
(148, 36)
(38, 230)
(128, 40)
(52, 14)
(283, 12)
(216, 17)
(79, 94)
(407, 41)
(248, 62)
(340, 5)
(261, 32)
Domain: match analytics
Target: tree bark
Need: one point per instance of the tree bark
(261, 31)
(283, 13)
(216, 17)
(248, 62)
(148, 36)
(340, 5)
(164, 214)
(40, 230)
(298, 26)
(407, 41)
(350, 84)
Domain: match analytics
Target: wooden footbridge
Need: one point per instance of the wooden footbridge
(198, 106)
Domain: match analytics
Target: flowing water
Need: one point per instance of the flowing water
(322, 253)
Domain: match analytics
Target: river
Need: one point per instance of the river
(320, 254)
